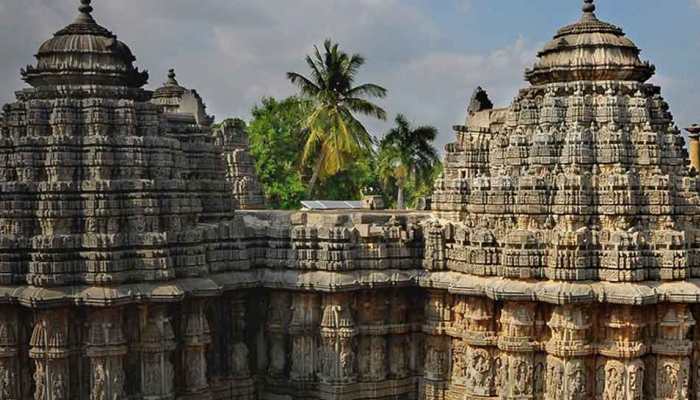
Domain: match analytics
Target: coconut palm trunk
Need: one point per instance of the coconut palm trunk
(400, 198)
(315, 175)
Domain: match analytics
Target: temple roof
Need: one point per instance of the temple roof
(84, 53)
(589, 49)
(171, 89)
(177, 100)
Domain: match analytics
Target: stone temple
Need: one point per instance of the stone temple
(561, 260)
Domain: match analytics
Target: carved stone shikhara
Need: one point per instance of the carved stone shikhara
(561, 260)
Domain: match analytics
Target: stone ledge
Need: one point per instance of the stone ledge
(494, 288)
(560, 293)
(214, 285)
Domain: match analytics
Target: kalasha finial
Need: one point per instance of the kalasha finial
(171, 77)
(85, 9)
(85, 6)
(588, 6)
(693, 130)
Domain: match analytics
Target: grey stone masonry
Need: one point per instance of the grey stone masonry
(561, 260)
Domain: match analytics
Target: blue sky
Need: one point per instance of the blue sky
(429, 54)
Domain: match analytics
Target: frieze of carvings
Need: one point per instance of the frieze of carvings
(480, 371)
(557, 222)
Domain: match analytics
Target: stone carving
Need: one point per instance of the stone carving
(558, 263)
(480, 372)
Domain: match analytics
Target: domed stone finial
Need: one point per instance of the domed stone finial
(85, 6)
(588, 6)
(171, 78)
(85, 9)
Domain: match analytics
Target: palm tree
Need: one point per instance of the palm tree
(334, 135)
(407, 154)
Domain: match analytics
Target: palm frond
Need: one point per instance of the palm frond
(307, 87)
(367, 90)
(365, 107)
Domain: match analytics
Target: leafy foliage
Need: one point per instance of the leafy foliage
(317, 135)
(277, 141)
(276, 144)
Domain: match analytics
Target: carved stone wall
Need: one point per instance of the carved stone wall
(561, 261)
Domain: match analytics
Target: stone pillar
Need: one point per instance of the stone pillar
(106, 347)
(515, 366)
(337, 364)
(277, 324)
(50, 350)
(694, 146)
(672, 350)
(240, 353)
(9, 373)
(196, 337)
(156, 347)
(620, 372)
(569, 367)
(303, 329)
(436, 362)
(399, 353)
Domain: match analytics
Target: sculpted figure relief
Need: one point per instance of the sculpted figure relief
(614, 383)
(99, 389)
(239, 359)
(577, 385)
(480, 375)
(39, 381)
(584, 178)
(636, 381)
(58, 388)
(555, 379)
(397, 356)
(523, 377)
(347, 362)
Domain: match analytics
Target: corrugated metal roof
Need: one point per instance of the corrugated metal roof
(331, 205)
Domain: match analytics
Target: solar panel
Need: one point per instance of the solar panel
(331, 205)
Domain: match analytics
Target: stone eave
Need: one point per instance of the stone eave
(494, 288)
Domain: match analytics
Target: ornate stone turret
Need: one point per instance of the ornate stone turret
(81, 54)
(589, 149)
(180, 105)
(561, 262)
(99, 174)
(232, 137)
(589, 50)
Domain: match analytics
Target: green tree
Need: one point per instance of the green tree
(407, 156)
(350, 184)
(276, 144)
(334, 136)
